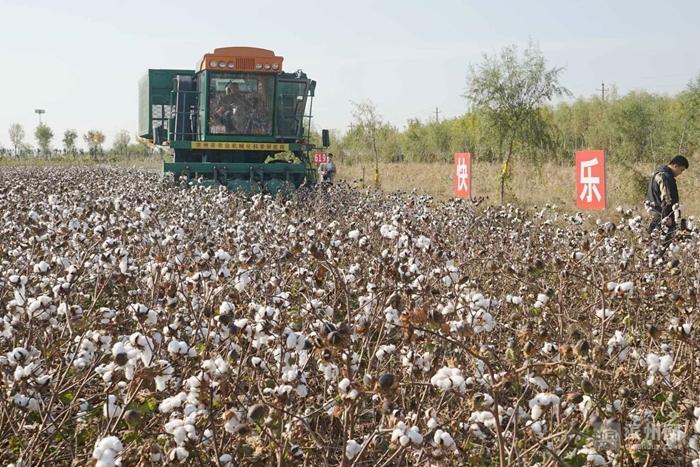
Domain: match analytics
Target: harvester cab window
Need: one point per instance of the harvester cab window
(240, 104)
(291, 101)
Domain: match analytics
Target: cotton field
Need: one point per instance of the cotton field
(145, 322)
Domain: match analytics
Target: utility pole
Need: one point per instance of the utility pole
(39, 112)
(436, 114)
(602, 91)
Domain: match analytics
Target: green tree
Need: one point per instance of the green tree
(69, 137)
(43, 135)
(510, 90)
(690, 103)
(140, 148)
(17, 137)
(121, 144)
(94, 140)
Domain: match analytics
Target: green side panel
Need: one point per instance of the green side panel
(248, 178)
(155, 88)
(204, 168)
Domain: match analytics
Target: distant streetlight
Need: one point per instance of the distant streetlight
(39, 112)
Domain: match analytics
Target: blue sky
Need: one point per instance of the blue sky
(81, 60)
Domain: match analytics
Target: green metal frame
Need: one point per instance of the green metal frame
(155, 88)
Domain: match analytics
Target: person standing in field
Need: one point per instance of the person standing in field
(329, 170)
(662, 196)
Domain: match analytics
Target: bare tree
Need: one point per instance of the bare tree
(17, 137)
(366, 123)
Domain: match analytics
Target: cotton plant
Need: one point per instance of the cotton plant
(221, 318)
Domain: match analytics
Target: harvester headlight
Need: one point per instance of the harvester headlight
(258, 66)
(213, 63)
(267, 66)
(222, 64)
(230, 65)
(275, 66)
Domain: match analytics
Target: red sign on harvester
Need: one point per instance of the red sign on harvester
(590, 180)
(320, 158)
(463, 175)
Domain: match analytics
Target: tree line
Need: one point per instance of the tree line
(512, 111)
(122, 147)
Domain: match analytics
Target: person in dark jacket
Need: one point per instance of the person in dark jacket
(662, 195)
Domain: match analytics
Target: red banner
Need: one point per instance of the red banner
(462, 180)
(590, 180)
(320, 158)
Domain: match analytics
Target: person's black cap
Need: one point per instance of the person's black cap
(680, 161)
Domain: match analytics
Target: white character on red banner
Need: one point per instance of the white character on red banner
(589, 182)
(462, 175)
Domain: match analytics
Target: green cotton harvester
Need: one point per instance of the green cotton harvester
(237, 121)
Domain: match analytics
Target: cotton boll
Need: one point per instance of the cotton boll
(536, 412)
(111, 409)
(352, 449)
(178, 454)
(665, 364)
(415, 436)
(106, 452)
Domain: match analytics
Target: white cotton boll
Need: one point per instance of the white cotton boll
(42, 267)
(653, 362)
(222, 255)
(611, 286)
(537, 381)
(595, 459)
(352, 449)
(687, 328)
(604, 313)
(179, 454)
(514, 299)
(626, 287)
(111, 409)
(344, 385)
(432, 423)
(665, 365)
(422, 242)
(296, 341)
(404, 440)
(106, 451)
(448, 441)
(536, 427)
(388, 231)
(354, 234)
(536, 412)
(415, 436)
(118, 349)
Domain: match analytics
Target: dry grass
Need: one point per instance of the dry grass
(530, 185)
